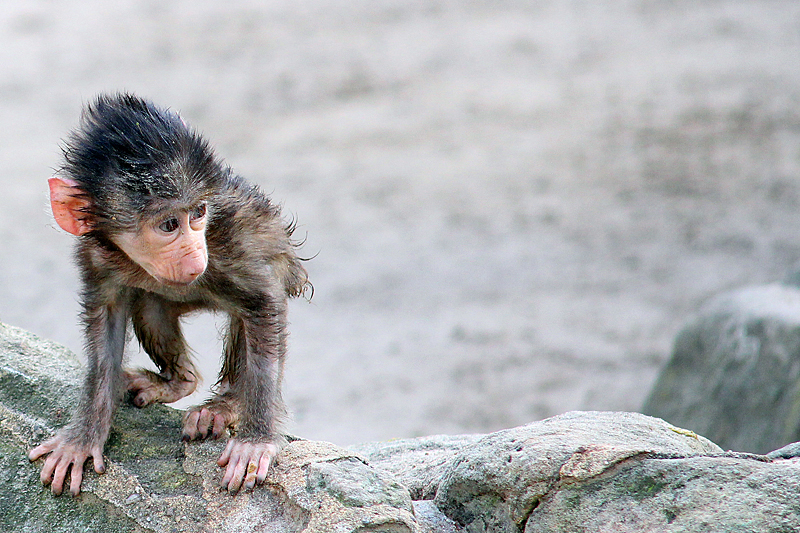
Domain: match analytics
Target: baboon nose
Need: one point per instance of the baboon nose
(193, 267)
(193, 274)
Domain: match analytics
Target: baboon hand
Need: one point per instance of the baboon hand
(66, 457)
(247, 463)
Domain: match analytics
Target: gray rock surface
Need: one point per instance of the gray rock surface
(418, 463)
(598, 472)
(581, 471)
(154, 482)
(691, 494)
(734, 374)
(496, 484)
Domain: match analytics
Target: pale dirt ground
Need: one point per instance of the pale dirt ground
(513, 204)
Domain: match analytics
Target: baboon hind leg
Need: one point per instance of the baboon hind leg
(222, 410)
(156, 323)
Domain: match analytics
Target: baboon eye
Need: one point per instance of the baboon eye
(169, 225)
(198, 212)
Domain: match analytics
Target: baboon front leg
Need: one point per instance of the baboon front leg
(157, 327)
(220, 412)
(86, 434)
(249, 399)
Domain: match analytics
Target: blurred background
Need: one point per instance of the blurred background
(513, 205)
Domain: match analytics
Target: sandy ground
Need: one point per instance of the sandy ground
(513, 204)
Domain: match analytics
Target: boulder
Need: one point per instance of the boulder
(499, 482)
(581, 471)
(154, 482)
(697, 494)
(598, 472)
(734, 374)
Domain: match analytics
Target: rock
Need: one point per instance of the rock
(497, 483)
(692, 494)
(734, 374)
(419, 463)
(329, 489)
(595, 472)
(789, 451)
(586, 472)
(154, 482)
(432, 520)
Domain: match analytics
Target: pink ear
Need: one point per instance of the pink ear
(68, 207)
